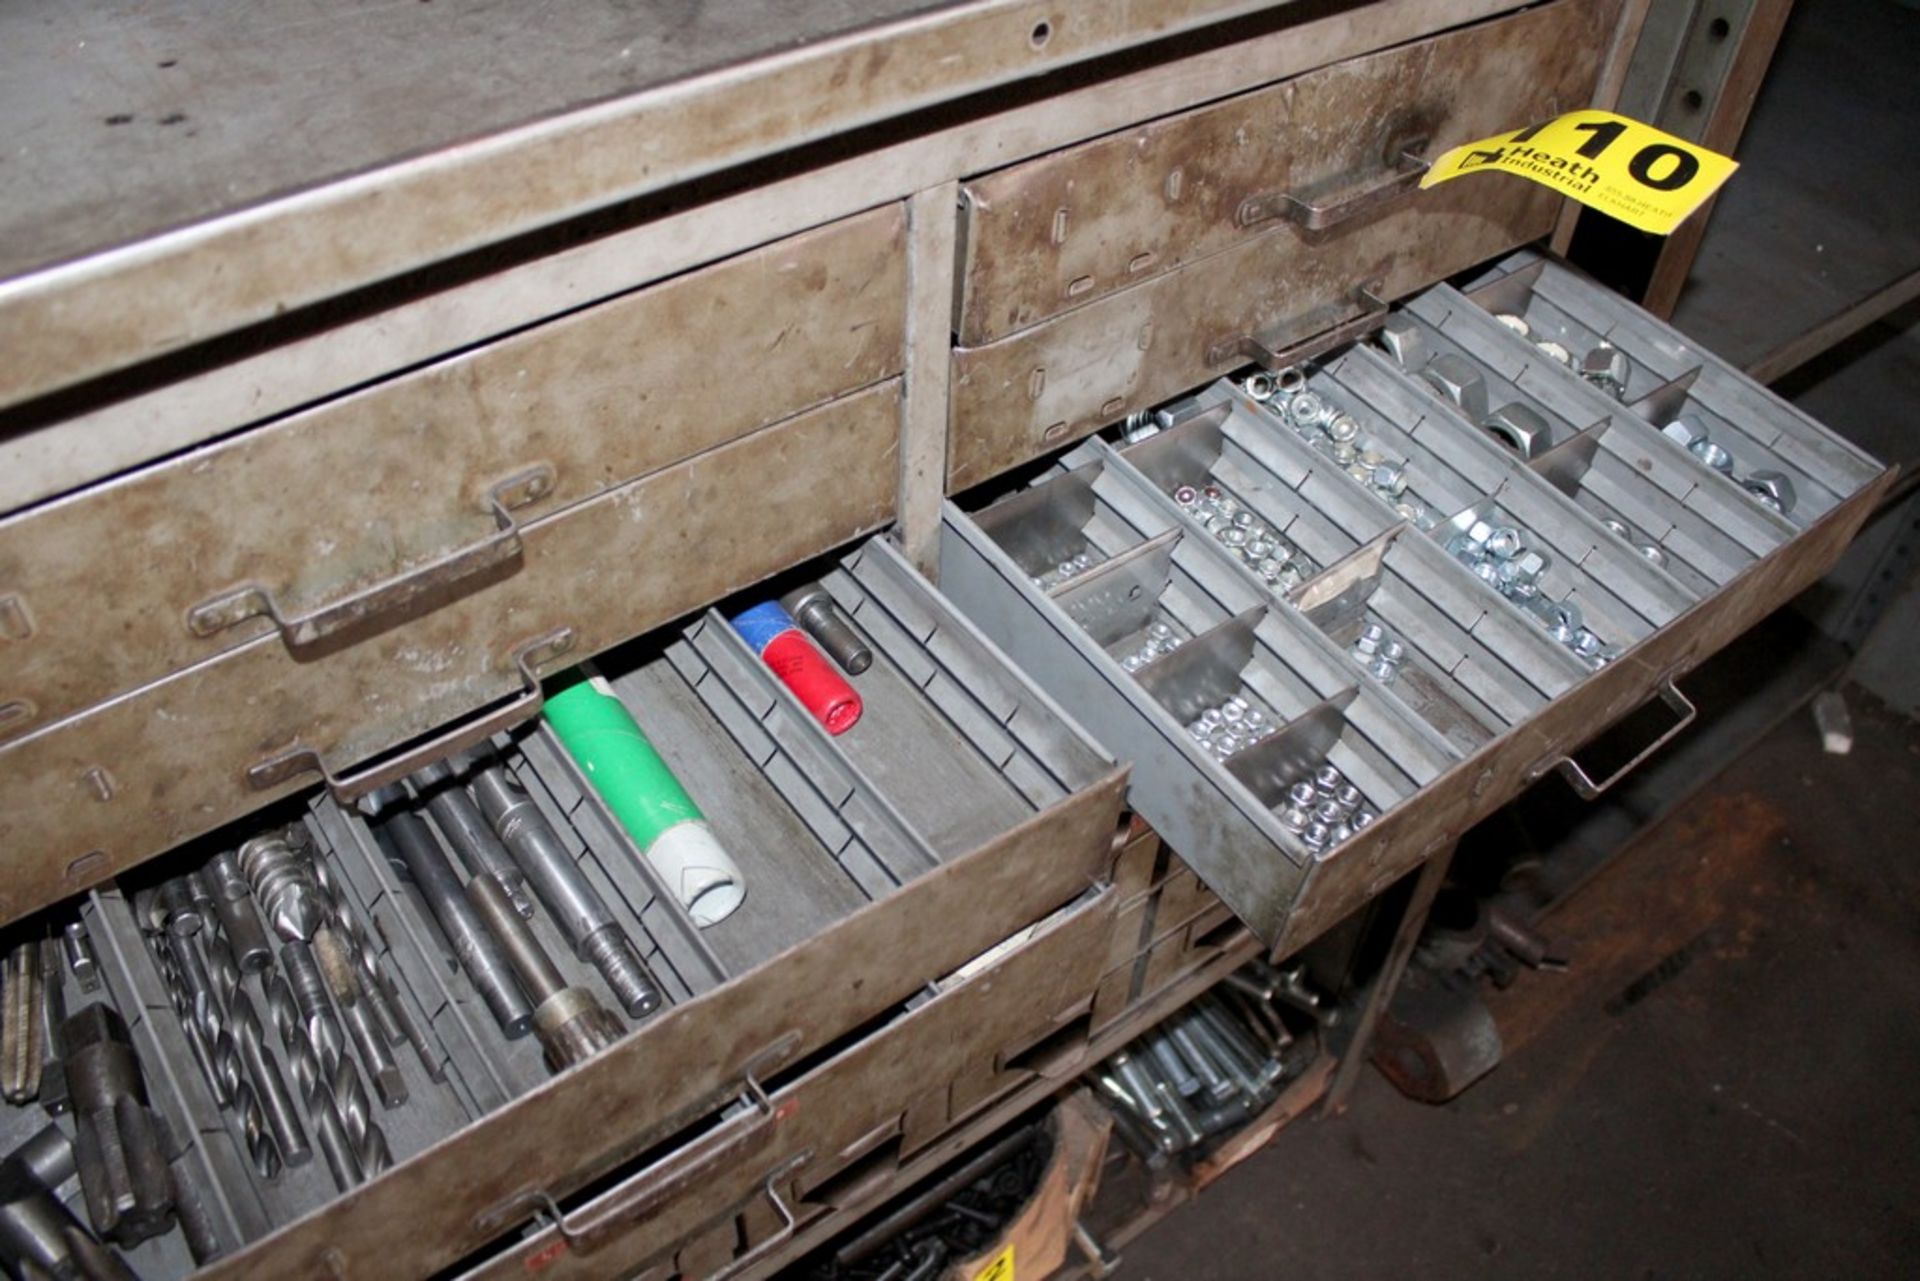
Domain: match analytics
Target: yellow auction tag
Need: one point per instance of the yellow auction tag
(1642, 176)
(999, 1268)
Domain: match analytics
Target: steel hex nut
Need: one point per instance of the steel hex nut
(1402, 339)
(1459, 382)
(1520, 428)
(1682, 433)
(1771, 488)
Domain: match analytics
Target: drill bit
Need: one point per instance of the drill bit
(309, 989)
(233, 910)
(124, 1174)
(22, 1053)
(572, 903)
(396, 1019)
(266, 1087)
(283, 885)
(315, 1086)
(572, 1025)
(467, 831)
(355, 1010)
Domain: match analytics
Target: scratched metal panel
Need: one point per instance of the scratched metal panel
(377, 487)
(1067, 229)
(134, 776)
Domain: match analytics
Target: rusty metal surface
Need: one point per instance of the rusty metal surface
(373, 488)
(846, 1099)
(85, 797)
(405, 181)
(1067, 229)
(1024, 395)
(689, 1060)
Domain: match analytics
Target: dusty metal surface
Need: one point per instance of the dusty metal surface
(1024, 395)
(42, 455)
(397, 477)
(408, 177)
(82, 798)
(478, 1184)
(1070, 228)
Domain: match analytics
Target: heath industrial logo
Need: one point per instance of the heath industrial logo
(1641, 175)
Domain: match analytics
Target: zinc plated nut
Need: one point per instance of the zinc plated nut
(1712, 455)
(1520, 428)
(1683, 433)
(1402, 339)
(1458, 382)
(1773, 489)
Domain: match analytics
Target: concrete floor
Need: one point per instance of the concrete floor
(1756, 1115)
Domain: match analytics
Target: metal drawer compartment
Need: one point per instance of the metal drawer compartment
(1019, 392)
(417, 491)
(1497, 684)
(1327, 147)
(1468, 672)
(1683, 516)
(1669, 378)
(100, 791)
(787, 1156)
(864, 886)
(1081, 638)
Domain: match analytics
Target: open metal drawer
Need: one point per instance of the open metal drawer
(1074, 575)
(865, 886)
(1108, 277)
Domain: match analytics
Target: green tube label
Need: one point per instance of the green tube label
(610, 749)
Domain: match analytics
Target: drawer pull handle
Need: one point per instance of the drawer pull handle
(1578, 778)
(301, 759)
(1371, 193)
(1247, 349)
(646, 1192)
(302, 631)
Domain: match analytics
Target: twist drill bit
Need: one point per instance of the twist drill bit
(189, 971)
(283, 885)
(189, 1026)
(315, 1086)
(396, 1018)
(309, 986)
(572, 1025)
(266, 1086)
(233, 910)
(22, 1053)
(572, 903)
(344, 983)
(467, 831)
(124, 1174)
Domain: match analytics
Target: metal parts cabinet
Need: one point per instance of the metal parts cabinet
(312, 467)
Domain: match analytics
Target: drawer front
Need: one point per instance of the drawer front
(793, 1144)
(335, 522)
(137, 775)
(688, 1062)
(1017, 398)
(1067, 229)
